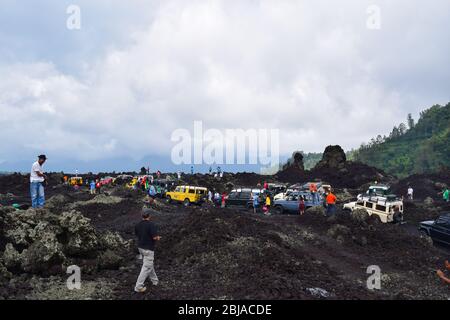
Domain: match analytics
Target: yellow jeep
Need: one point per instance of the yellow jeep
(76, 181)
(187, 195)
(132, 182)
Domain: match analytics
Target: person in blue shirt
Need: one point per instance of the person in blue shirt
(92, 186)
(255, 202)
(152, 193)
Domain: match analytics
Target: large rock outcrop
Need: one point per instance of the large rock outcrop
(296, 161)
(40, 242)
(333, 157)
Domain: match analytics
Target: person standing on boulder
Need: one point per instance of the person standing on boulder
(331, 203)
(147, 235)
(37, 178)
(410, 193)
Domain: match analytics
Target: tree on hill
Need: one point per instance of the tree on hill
(413, 148)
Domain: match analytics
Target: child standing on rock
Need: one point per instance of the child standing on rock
(301, 205)
(268, 203)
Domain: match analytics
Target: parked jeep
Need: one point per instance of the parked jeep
(438, 230)
(187, 195)
(376, 192)
(290, 203)
(242, 197)
(387, 209)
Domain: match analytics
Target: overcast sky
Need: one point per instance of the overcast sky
(110, 94)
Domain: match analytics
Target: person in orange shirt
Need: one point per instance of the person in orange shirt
(331, 203)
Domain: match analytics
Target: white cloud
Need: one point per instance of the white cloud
(311, 69)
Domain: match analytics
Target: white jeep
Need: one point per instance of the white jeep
(387, 209)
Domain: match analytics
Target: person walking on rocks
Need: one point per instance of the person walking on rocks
(37, 179)
(147, 235)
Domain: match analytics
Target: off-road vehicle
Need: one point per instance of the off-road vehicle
(438, 230)
(388, 208)
(187, 195)
(290, 203)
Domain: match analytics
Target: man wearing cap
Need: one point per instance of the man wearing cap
(147, 235)
(37, 178)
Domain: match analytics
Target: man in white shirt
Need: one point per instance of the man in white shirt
(410, 193)
(37, 178)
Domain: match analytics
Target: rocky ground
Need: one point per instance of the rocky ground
(214, 253)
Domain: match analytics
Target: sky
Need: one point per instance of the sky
(109, 95)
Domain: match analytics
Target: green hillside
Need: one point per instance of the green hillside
(412, 148)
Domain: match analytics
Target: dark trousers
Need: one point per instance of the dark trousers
(331, 209)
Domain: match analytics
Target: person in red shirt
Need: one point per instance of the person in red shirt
(301, 205)
(266, 185)
(224, 197)
(331, 203)
(98, 186)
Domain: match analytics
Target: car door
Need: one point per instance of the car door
(180, 195)
(244, 197)
(440, 231)
(232, 199)
(308, 199)
(291, 204)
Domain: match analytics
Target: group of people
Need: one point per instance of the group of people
(267, 202)
(445, 194)
(95, 186)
